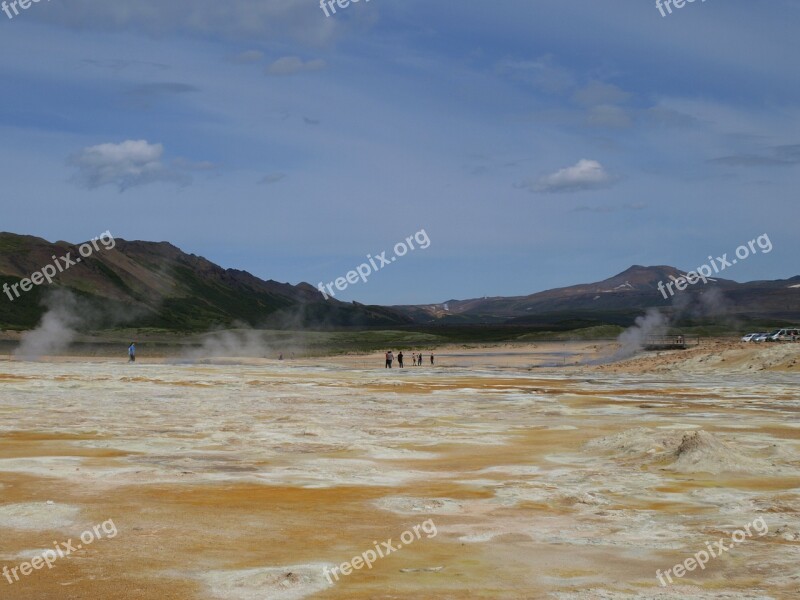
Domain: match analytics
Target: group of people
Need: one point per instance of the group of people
(415, 358)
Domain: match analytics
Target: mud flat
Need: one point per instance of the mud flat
(245, 480)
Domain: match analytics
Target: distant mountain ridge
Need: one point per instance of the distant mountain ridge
(616, 299)
(155, 284)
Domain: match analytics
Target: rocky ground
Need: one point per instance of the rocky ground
(247, 479)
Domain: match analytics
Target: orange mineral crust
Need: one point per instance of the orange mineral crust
(489, 476)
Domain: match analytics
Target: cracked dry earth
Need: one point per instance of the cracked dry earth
(242, 482)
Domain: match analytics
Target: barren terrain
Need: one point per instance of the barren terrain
(243, 479)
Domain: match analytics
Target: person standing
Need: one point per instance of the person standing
(391, 358)
(431, 358)
(387, 361)
(132, 352)
(400, 359)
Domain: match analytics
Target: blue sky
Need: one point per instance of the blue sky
(539, 143)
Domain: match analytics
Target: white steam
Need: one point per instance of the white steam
(55, 331)
(247, 343)
(634, 339)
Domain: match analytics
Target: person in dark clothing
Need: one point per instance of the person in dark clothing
(400, 359)
(431, 358)
(388, 362)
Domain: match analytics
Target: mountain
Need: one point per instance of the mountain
(155, 284)
(149, 284)
(619, 299)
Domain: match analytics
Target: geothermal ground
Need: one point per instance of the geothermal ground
(244, 480)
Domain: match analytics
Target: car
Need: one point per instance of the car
(750, 337)
(761, 337)
(784, 335)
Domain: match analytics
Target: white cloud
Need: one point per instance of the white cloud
(129, 164)
(584, 175)
(289, 65)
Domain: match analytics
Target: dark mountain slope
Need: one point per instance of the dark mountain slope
(148, 284)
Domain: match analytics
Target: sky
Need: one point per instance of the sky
(537, 143)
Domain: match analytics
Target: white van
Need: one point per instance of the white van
(784, 335)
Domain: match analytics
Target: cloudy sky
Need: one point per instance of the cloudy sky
(539, 143)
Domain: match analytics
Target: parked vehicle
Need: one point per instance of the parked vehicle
(784, 335)
(761, 337)
(750, 337)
